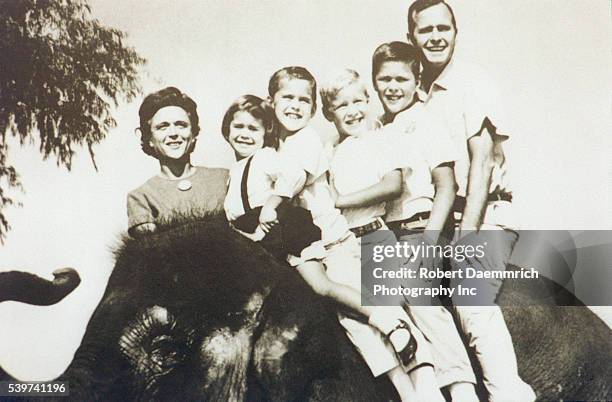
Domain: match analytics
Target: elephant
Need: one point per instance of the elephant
(195, 311)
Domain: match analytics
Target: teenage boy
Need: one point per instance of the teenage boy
(421, 211)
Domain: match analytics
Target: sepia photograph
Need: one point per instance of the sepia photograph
(322, 200)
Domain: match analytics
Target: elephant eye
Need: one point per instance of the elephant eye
(154, 342)
(165, 351)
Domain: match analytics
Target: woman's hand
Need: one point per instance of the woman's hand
(142, 229)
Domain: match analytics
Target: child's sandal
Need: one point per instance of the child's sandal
(407, 353)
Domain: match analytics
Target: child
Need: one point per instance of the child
(363, 177)
(169, 126)
(292, 92)
(260, 182)
(420, 213)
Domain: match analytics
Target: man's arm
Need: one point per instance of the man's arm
(444, 181)
(388, 188)
(480, 148)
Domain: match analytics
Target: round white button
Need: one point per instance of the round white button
(184, 185)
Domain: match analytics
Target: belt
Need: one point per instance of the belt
(367, 228)
(459, 204)
(339, 241)
(420, 217)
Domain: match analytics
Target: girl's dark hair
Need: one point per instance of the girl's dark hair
(169, 96)
(296, 73)
(259, 109)
(395, 51)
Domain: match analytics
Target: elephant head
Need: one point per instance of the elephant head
(197, 312)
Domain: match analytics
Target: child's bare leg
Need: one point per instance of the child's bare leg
(313, 272)
(385, 319)
(463, 392)
(403, 384)
(424, 381)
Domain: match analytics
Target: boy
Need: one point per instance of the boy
(420, 213)
(364, 180)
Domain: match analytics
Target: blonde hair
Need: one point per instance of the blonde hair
(331, 87)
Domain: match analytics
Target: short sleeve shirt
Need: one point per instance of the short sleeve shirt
(158, 199)
(269, 174)
(421, 143)
(464, 98)
(357, 164)
(305, 149)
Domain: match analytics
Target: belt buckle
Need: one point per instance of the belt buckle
(338, 241)
(418, 222)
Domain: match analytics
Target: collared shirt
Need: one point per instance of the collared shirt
(463, 97)
(269, 175)
(421, 143)
(305, 149)
(358, 163)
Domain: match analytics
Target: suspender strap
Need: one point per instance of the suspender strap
(243, 186)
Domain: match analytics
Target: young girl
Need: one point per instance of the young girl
(248, 126)
(261, 183)
(169, 126)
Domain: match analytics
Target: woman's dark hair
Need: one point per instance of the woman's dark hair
(169, 96)
(259, 109)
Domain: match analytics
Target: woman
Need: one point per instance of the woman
(169, 126)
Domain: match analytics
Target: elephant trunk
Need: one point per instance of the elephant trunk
(29, 288)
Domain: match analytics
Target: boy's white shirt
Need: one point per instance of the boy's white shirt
(269, 174)
(358, 163)
(305, 149)
(419, 142)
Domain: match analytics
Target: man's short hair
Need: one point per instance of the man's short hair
(395, 51)
(337, 82)
(260, 110)
(296, 73)
(420, 5)
(169, 96)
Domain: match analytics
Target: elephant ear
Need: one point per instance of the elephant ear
(29, 288)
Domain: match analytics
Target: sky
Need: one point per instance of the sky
(551, 59)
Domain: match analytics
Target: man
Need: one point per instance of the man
(467, 102)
